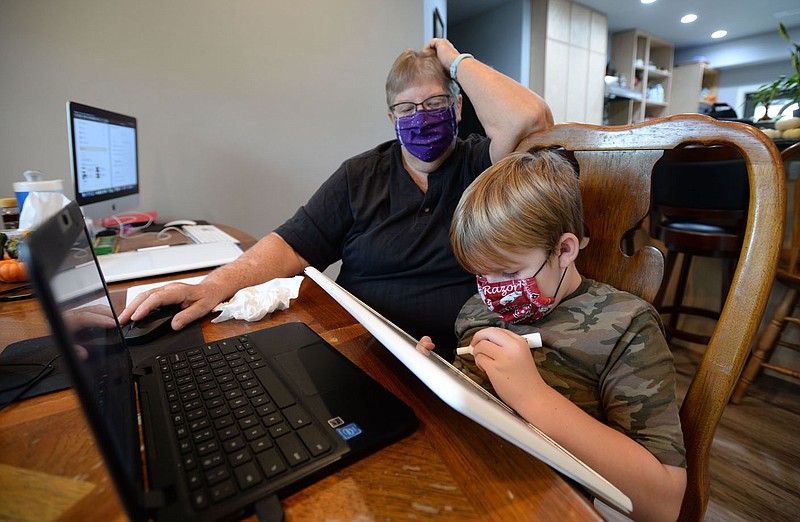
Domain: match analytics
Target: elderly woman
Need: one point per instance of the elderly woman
(386, 212)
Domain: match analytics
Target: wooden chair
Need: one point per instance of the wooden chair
(788, 274)
(615, 168)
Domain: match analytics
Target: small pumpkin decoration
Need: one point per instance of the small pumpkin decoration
(12, 271)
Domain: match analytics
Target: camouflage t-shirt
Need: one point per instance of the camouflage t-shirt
(604, 350)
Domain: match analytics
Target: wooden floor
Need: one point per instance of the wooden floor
(755, 458)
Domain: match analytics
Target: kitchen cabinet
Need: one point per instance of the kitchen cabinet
(694, 88)
(568, 59)
(646, 63)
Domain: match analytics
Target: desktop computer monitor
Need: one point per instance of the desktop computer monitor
(104, 161)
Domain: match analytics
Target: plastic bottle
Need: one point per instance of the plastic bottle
(9, 213)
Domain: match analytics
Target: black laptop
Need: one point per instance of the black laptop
(227, 427)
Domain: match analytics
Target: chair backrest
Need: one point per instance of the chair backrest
(697, 186)
(791, 156)
(615, 170)
(712, 184)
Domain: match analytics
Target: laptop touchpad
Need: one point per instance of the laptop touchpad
(318, 369)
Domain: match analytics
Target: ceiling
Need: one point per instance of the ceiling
(740, 18)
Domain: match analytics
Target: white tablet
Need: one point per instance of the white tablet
(468, 398)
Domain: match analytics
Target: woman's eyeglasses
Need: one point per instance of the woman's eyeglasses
(403, 109)
(30, 374)
(16, 293)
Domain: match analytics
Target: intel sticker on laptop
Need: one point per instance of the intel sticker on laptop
(349, 431)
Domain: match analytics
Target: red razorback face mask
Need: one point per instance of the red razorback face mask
(517, 301)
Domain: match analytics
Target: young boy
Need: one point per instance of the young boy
(603, 383)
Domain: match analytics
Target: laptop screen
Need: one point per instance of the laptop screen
(81, 316)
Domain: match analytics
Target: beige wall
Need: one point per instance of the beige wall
(244, 106)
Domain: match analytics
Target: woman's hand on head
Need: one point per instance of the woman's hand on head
(444, 51)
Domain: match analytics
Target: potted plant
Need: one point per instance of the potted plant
(783, 87)
(766, 93)
(791, 85)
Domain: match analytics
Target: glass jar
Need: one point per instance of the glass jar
(9, 213)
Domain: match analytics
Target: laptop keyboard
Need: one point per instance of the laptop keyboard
(237, 425)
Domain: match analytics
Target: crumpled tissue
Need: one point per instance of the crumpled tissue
(39, 207)
(254, 302)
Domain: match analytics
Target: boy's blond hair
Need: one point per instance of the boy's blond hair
(524, 201)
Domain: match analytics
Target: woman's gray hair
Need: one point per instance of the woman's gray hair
(412, 66)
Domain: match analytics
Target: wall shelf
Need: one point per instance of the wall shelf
(646, 62)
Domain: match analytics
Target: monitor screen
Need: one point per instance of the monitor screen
(104, 160)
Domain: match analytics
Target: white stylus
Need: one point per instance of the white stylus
(534, 341)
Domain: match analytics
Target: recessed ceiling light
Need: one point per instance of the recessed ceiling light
(784, 14)
(718, 34)
(689, 18)
(648, 1)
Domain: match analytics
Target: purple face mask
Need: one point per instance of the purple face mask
(427, 134)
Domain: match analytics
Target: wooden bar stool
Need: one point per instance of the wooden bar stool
(698, 208)
(788, 274)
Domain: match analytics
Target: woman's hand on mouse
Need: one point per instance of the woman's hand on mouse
(195, 300)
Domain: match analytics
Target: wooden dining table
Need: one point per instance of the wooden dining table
(450, 468)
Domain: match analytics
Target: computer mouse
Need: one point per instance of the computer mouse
(157, 323)
(180, 223)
